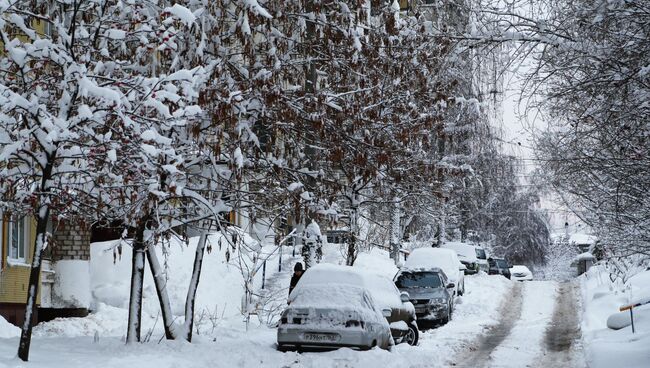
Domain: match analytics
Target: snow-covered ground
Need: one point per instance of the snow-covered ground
(229, 345)
(524, 344)
(497, 323)
(222, 340)
(602, 298)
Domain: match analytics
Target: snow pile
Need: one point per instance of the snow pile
(602, 299)
(219, 295)
(105, 320)
(71, 284)
(7, 330)
(376, 261)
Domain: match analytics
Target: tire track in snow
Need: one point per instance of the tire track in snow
(563, 345)
(525, 343)
(510, 312)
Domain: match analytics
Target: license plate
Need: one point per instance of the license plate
(320, 337)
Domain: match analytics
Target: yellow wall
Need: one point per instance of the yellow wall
(14, 280)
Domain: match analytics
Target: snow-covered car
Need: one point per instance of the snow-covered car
(329, 308)
(403, 325)
(499, 266)
(445, 259)
(466, 254)
(481, 256)
(520, 273)
(431, 294)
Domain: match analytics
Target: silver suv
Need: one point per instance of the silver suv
(430, 292)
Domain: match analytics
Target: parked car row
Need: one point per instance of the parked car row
(335, 306)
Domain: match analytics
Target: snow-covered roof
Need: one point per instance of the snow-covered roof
(586, 256)
(580, 238)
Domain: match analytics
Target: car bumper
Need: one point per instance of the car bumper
(521, 278)
(431, 312)
(324, 338)
(505, 274)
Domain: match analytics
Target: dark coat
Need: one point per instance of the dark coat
(294, 281)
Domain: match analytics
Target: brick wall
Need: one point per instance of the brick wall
(71, 241)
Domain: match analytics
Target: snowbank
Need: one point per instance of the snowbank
(71, 284)
(602, 299)
(219, 295)
(7, 330)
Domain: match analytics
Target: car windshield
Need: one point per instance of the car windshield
(502, 263)
(419, 279)
(480, 253)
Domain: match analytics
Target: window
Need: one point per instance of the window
(419, 279)
(17, 239)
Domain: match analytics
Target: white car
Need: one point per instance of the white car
(466, 254)
(445, 259)
(331, 307)
(520, 273)
(481, 255)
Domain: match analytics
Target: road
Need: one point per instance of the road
(538, 327)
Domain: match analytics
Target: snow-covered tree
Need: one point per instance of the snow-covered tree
(595, 88)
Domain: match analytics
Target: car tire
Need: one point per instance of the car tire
(413, 335)
(448, 317)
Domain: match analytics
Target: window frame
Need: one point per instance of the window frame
(22, 240)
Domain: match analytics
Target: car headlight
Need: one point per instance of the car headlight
(437, 301)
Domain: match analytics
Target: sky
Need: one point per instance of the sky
(519, 127)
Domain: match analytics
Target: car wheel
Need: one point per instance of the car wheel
(413, 334)
(448, 317)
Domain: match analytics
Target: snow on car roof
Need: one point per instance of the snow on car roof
(331, 295)
(329, 273)
(519, 268)
(382, 289)
(445, 259)
(465, 251)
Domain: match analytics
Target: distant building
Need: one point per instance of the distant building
(585, 244)
(64, 289)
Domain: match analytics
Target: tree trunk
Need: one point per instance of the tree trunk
(352, 252)
(137, 278)
(161, 289)
(442, 228)
(395, 230)
(34, 279)
(190, 301)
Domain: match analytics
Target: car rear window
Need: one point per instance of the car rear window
(502, 263)
(418, 279)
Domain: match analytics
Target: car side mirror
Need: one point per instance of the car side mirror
(404, 297)
(451, 285)
(386, 312)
